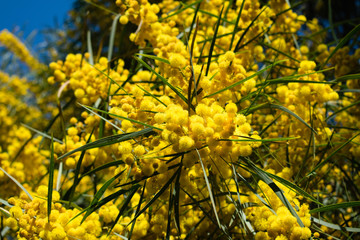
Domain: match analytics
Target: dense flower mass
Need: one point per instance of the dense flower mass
(235, 120)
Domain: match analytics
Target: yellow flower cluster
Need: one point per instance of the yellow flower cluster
(11, 42)
(280, 224)
(34, 223)
(251, 95)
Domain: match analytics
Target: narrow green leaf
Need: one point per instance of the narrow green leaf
(220, 194)
(238, 207)
(137, 209)
(292, 186)
(269, 125)
(51, 179)
(5, 212)
(17, 183)
(194, 20)
(213, 42)
(105, 166)
(342, 109)
(154, 57)
(129, 119)
(165, 82)
(100, 7)
(332, 154)
(90, 50)
(112, 81)
(41, 133)
(69, 194)
(2, 201)
(331, 23)
(295, 78)
(284, 109)
(350, 90)
(194, 227)
(335, 206)
(342, 43)
(177, 203)
(104, 201)
(128, 198)
(112, 36)
(334, 226)
(180, 10)
(249, 139)
(58, 180)
(347, 77)
(279, 51)
(110, 140)
(256, 194)
(153, 96)
(170, 210)
(247, 29)
(236, 25)
(104, 187)
(245, 79)
(157, 195)
(264, 177)
(209, 189)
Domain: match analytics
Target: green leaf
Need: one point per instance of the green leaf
(342, 109)
(42, 133)
(245, 79)
(112, 36)
(157, 195)
(237, 47)
(295, 78)
(256, 194)
(236, 25)
(264, 177)
(321, 164)
(104, 187)
(165, 82)
(102, 202)
(342, 43)
(137, 209)
(51, 179)
(209, 189)
(292, 186)
(100, 7)
(110, 140)
(282, 108)
(128, 198)
(153, 96)
(5, 212)
(154, 57)
(249, 139)
(279, 51)
(180, 10)
(177, 203)
(213, 42)
(90, 50)
(125, 118)
(169, 213)
(69, 194)
(17, 183)
(334, 226)
(335, 206)
(347, 77)
(105, 166)
(102, 118)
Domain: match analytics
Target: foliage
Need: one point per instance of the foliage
(233, 120)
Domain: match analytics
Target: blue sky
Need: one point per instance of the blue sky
(30, 15)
